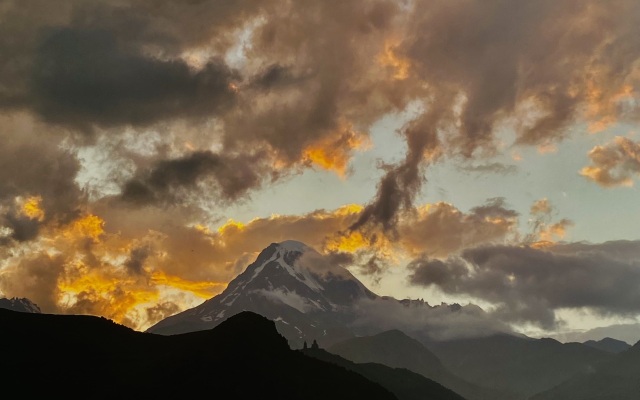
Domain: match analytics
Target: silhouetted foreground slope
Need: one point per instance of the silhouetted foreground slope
(91, 357)
(618, 379)
(404, 384)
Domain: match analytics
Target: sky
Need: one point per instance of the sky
(481, 152)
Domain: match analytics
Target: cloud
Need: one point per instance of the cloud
(535, 67)
(441, 229)
(493, 168)
(428, 323)
(161, 311)
(83, 77)
(36, 278)
(137, 258)
(292, 299)
(170, 181)
(37, 166)
(528, 284)
(614, 164)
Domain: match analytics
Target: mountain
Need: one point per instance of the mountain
(608, 344)
(404, 384)
(311, 298)
(243, 357)
(19, 304)
(617, 379)
(395, 349)
(629, 333)
(518, 365)
(289, 283)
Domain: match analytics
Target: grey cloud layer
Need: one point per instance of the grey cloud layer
(529, 284)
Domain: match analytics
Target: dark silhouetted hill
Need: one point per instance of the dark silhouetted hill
(404, 384)
(395, 349)
(244, 357)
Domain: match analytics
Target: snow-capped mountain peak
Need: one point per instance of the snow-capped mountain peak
(19, 304)
(289, 282)
(286, 257)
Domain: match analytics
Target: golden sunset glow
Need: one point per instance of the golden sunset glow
(351, 243)
(32, 209)
(388, 58)
(229, 227)
(334, 153)
(90, 226)
(204, 290)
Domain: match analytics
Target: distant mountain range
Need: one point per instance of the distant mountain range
(610, 345)
(19, 304)
(520, 366)
(617, 379)
(397, 350)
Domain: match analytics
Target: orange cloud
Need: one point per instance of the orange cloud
(603, 104)
(441, 230)
(350, 242)
(203, 289)
(333, 153)
(614, 164)
(31, 207)
(90, 226)
(389, 58)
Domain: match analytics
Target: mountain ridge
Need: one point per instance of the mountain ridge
(243, 357)
(298, 298)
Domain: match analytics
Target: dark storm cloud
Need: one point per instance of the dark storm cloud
(529, 284)
(22, 227)
(86, 77)
(401, 183)
(67, 60)
(170, 181)
(137, 257)
(275, 76)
